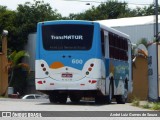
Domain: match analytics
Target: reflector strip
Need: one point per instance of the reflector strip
(82, 84)
(51, 83)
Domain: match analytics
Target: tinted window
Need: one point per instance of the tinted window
(30, 97)
(37, 96)
(118, 47)
(67, 37)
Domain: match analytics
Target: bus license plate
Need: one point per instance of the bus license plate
(67, 75)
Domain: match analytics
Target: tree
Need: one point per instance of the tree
(16, 66)
(27, 17)
(143, 41)
(111, 9)
(7, 20)
(24, 20)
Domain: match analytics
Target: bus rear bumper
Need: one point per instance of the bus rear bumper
(84, 84)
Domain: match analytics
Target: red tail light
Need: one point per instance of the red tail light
(44, 69)
(89, 69)
(42, 65)
(40, 82)
(93, 81)
(92, 65)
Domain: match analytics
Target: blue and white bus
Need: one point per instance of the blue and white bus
(79, 59)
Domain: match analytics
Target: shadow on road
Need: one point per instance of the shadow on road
(85, 103)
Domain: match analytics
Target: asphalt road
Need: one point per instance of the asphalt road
(85, 110)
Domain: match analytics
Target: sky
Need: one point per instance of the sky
(65, 7)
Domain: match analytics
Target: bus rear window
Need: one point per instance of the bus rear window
(67, 37)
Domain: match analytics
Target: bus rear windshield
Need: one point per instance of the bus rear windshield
(67, 37)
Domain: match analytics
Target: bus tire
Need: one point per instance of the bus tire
(74, 98)
(62, 98)
(53, 98)
(109, 97)
(100, 99)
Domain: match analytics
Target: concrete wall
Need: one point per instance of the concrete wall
(31, 49)
(138, 32)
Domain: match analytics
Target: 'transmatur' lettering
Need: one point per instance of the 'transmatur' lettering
(67, 37)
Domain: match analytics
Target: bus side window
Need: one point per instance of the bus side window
(102, 43)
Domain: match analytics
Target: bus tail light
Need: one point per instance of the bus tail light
(92, 81)
(92, 65)
(90, 68)
(40, 82)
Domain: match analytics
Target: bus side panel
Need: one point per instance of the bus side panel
(107, 62)
(130, 82)
(38, 41)
(119, 70)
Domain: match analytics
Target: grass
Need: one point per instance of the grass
(1, 97)
(136, 102)
(147, 105)
(156, 106)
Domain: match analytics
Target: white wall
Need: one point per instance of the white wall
(138, 32)
(31, 49)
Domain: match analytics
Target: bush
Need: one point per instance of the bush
(136, 102)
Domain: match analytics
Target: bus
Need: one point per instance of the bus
(78, 59)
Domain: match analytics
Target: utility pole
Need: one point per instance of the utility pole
(156, 20)
(157, 49)
(3, 65)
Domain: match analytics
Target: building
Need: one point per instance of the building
(30, 48)
(136, 27)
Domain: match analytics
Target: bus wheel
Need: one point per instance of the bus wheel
(109, 97)
(100, 100)
(121, 99)
(75, 98)
(62, 98)
(53, 98)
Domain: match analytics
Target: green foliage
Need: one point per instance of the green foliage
(143, 41)
(144, 11)
(17, 77)
(156, 106)
(146, 106)
(110, 10)
(6, 19)
(15, 57)
(27, 17)
(136, 102)
(24, 20)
